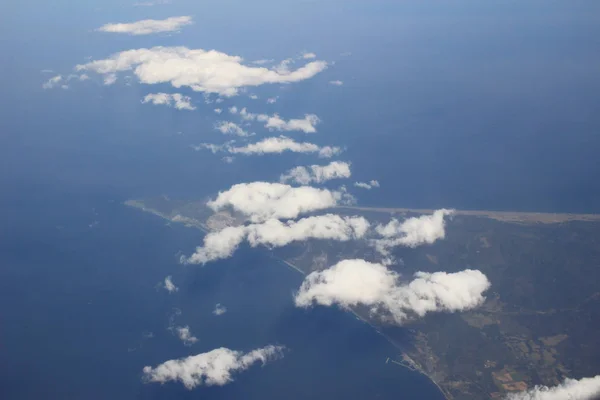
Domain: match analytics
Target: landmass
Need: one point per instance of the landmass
(539, 324)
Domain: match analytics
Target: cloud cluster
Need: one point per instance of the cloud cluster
(148, 26)
(358, 282)
(272, 145)
(212, 368)
(412, 232)
(317, 173)
(169, 285)
(275, 233)
(367, 185)
(260, 201)
(201, 70)
(176, 100)
(185, 335)
(570, 389)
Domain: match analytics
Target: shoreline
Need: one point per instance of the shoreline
(200, 226)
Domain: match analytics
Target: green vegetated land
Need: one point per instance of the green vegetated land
(539, 324)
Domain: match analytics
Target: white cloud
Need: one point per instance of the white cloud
(353, 282)
(231, 128)
(336, 83)
(260, 201)
(275, 233)
(228, 159)
(151, 3)
(148, 26)
(203, 71)
(176, 100)
(82, 77)
(185, 335)
(570, 389)
(263, 62)
(281, 144)
(412, 232)
(110, 79)
(169, 285)
(367, 185)
(317, 173)
(219, 309)
(212, 368)
(233, 110)
(52, 82)
(218, 110)
(306, 125)
(309, 55)
(253, 97)
(272, 100)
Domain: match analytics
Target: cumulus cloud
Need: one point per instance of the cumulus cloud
(185, 335)
(317, 173)
(110, 79)
(336, 83)
(233, 110)
(169, 285)
(272, 100)
(412, 232)
(218, 110)
(306, 124)
(260, 201)
(309, 55)
(367, 185)
(359, 282)
(148, 26)
(570, 389)
(219, 309)
(275, 233)
(253, 97)
(203, 71)
(176, 100)
(212, 368)
(52, 82)
(282, 143)
(231, 128)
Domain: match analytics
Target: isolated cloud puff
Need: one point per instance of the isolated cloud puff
(212, 368)
(277, 145)
(336, 83)
(260, 201)
(203, 71)
(412, 232)
(169, 285)
(175, 100)
(275, 233)
(219, 309)
(570, 389)
(52, 82)
(367, 185)
(148, 26)
(185, 335)
(275, 122)
(353, 282)
(317, 173)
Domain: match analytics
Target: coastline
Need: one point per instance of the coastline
(413, 366)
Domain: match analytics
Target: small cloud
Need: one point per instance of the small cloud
(571, 389)
(336, 83)
(110, 79)
(228, 159)
(307, 56)
(52, 82)
(148, 26)
(253, 97)
(219, 309)
(185, 335)
(367, 185)
(176, 100)
(169, 285)
(218, 110)
(233, 110)
(272, 100)
(213, 368)
(317, 173)
(263, 62)
(306, 125)
(151, 3)
(231, 128)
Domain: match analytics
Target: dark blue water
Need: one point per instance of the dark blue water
(78, 304)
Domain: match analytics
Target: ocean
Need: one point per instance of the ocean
(82, 312)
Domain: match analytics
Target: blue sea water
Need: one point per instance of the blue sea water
(81, 312)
